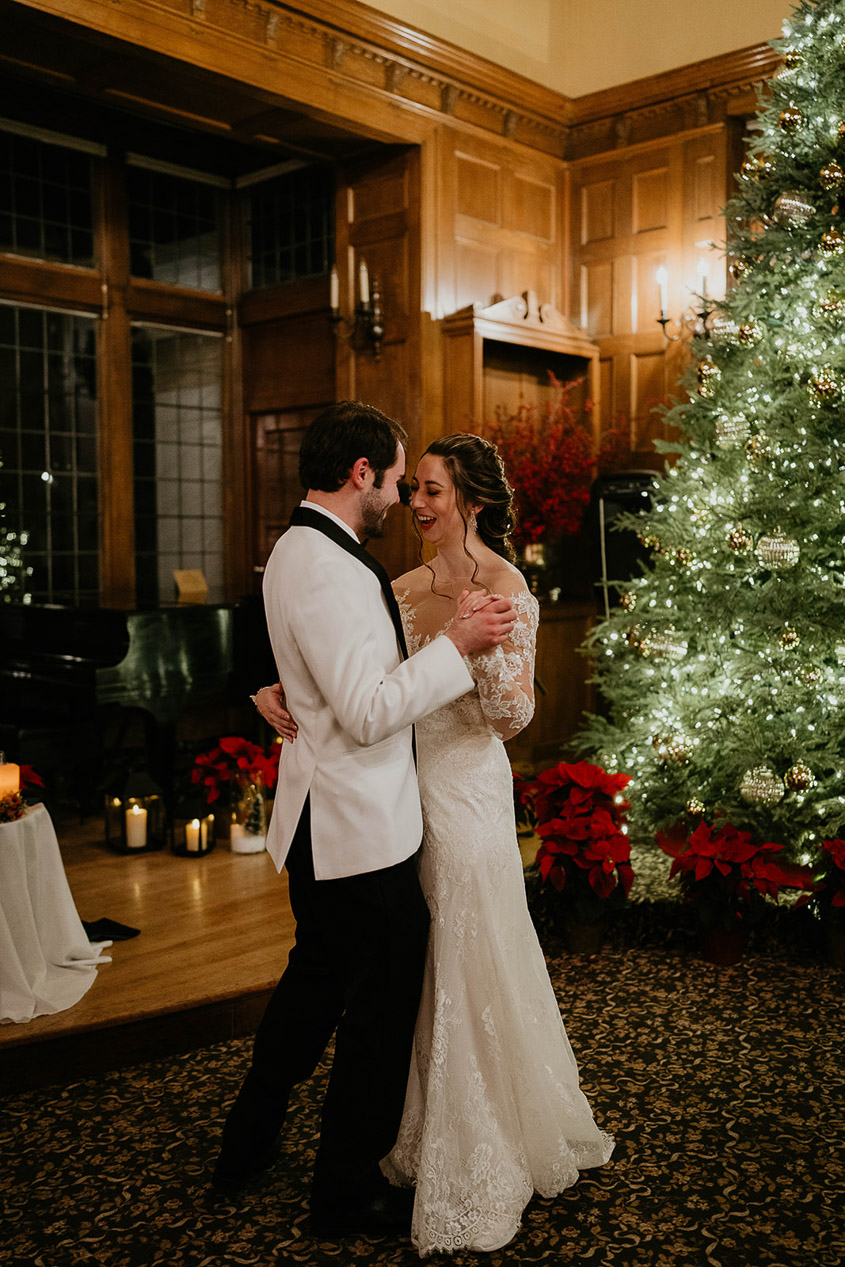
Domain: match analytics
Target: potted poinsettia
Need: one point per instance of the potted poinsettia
(727, 876)
(584, 860)
(238, 774)
(827, 898)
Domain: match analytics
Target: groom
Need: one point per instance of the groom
(347, 825)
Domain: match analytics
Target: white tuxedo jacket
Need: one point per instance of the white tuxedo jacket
(354, 699)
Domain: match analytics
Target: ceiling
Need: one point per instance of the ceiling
(137, 101)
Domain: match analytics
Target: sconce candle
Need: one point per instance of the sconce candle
(364, 283)
(662, 277)
(703, 274)
(334, 290)
(136, 827)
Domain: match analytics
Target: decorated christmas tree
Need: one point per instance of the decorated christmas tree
(722, 669)
(13, 570)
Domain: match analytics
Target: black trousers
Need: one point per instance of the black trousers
(356, 968)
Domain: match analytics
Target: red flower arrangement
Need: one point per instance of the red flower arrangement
(236, 762)
(727, 875)
(12, 806)
(585, 855)
(550, 459)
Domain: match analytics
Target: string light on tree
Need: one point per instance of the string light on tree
(756, 495)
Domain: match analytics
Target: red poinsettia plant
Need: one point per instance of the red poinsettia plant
(585, 856)
(550, 458)
(727, 874)
(13, 804)
(827, 895)
(233, 764)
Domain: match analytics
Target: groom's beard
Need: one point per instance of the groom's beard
(374, 513)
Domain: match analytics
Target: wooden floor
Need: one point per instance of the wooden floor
(215, 934)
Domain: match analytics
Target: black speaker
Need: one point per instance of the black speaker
(616, 555)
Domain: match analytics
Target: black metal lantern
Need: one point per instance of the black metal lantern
(136, 820)
(192, 827)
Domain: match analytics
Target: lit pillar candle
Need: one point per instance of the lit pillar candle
(662, 276)
(364, 283)
(193, 834)
(136, 827)
(10, 777)
(334, 290)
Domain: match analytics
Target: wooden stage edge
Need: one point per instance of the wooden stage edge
(215, 935)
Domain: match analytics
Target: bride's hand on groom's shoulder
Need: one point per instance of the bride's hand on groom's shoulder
(270, 702)
(481, 621)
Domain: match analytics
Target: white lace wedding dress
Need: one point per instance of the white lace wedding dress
(493, 1110)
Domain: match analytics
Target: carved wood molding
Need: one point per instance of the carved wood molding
(309, 51)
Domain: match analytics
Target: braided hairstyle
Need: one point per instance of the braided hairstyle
(478, 474)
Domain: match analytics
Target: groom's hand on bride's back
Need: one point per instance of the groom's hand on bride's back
(481, 621)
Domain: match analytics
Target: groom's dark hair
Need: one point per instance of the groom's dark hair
(342, 434)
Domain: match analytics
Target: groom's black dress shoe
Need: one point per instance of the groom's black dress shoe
(387, 1214)
(229, 1179)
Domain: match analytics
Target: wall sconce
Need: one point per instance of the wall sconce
(368, 315)
(695, 321)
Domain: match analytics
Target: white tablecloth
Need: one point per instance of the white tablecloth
(46, 961)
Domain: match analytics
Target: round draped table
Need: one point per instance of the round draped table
(47, 962)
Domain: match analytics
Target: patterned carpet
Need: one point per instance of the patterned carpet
(723, 1086)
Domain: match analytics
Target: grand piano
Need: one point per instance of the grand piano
(70, 675)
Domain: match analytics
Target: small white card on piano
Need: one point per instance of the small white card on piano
(191, 585)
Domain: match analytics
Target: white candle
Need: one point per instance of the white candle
(662, 276)
(192, 835)
(703, 274)
(334, 290)
(136, 827)
(364, 283)
(10, 777)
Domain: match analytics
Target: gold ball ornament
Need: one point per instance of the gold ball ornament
(832, 243)
(792, 59)
(634, 637)
(740, 540)
(683, 556)
(708, 375)
(831, 175)
(739, 269)
(799, 777)
(672, 749)
(825, 386)
(750, 333)
(695, 807)
(831, 307)
(790, 638)
(812, 676)
(790, 120)
(761, 786)
(757, 449)
(628, 601)
(777, 551)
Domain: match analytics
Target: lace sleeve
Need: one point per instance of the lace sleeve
(505, 676)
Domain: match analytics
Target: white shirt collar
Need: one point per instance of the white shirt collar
(322, 510)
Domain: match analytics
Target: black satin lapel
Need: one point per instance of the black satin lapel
(303, 516)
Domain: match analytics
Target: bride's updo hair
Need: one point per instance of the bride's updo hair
(478, 474)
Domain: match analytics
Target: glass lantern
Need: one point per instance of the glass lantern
(192, 828)
(136, 821)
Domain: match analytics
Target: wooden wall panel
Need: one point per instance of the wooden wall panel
(478, 188)
(633, 211)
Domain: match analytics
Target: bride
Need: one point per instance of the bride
(493, 1111)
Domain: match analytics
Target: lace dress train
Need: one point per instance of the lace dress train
(493, 1111)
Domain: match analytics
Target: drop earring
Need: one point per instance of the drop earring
(472, 522)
